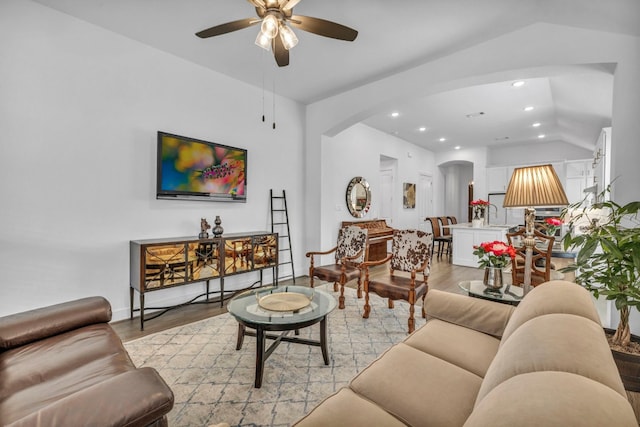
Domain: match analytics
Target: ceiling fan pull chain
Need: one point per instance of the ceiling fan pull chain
(262, 66)
(274, 101)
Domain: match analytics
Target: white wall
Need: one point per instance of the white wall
(354, 152)
(546, 152)
(79, 111)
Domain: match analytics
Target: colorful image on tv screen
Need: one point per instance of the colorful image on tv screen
(197, 167)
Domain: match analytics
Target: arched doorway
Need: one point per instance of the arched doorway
(456, 176)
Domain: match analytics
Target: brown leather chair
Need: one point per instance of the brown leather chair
(411, 253)
(439, 238)
(541, 265)
(350, 252)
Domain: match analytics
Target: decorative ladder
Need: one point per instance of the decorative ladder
(280, 219)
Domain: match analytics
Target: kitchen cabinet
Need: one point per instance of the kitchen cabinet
(579, 175)
(466, 237)
(498, 179)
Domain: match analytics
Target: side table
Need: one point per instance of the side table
(507, 295)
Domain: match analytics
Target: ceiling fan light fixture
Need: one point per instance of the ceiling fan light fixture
(269, 26)
(263, 41)
(289, 39)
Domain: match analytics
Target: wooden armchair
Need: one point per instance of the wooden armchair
(541, 261)
(350, 252)
(411, 253)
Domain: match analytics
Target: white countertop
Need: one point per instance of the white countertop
(465, 225)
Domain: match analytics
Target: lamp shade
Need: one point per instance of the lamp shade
(534, 186)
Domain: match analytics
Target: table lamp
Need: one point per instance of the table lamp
(529, 187)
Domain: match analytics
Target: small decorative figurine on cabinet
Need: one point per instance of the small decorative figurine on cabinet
(204, 226)
(217, 230)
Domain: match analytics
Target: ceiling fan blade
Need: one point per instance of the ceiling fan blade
(280, 54)
(289, 5)
(322, 27)
(227, 28)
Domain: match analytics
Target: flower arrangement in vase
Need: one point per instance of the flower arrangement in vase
(553, 224)
(479, 208)
(493, 257)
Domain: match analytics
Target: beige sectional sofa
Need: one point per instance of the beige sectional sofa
(481, 363)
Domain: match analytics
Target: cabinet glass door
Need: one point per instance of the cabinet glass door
(237, 255)
(265, 251)
(204, 257)
(165, 265)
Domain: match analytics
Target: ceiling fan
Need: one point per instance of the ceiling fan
(274, 16)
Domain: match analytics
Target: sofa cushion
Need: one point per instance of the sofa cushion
(552, 399)
(556, 296)
(51, 369)
(555, 342)
(22, 328)
(345, 408)
(466, 348)
(473, 313)
(418, 388)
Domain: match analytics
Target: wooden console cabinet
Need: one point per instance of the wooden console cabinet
(164, 263)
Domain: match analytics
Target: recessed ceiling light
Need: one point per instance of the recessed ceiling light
(457, 147)
(395, 114)
(542, 135)
(519, 83)
(442, 139)
(536, 124)
(422, 129)
(528, 108)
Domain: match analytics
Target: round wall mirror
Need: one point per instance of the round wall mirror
(358, 197)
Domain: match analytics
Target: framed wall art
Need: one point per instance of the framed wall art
(409, 195)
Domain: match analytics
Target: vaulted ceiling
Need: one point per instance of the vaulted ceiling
(393, 36)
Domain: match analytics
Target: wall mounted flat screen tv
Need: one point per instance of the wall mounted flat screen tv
(191, 169)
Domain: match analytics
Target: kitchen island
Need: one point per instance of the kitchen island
(465, 237)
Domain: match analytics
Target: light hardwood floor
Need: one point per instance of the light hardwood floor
(443, 276)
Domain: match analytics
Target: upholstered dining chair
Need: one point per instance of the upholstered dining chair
(350, 251)
(443, 242)
(541, 261)
(411, 253)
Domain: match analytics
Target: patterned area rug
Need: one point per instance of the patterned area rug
(213, 382)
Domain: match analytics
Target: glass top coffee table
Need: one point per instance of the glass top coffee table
(284, 309)
(507, 295)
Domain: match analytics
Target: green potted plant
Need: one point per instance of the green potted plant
(606, 236)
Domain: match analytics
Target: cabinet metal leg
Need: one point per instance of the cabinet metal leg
(130, 302)
(142, 311)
